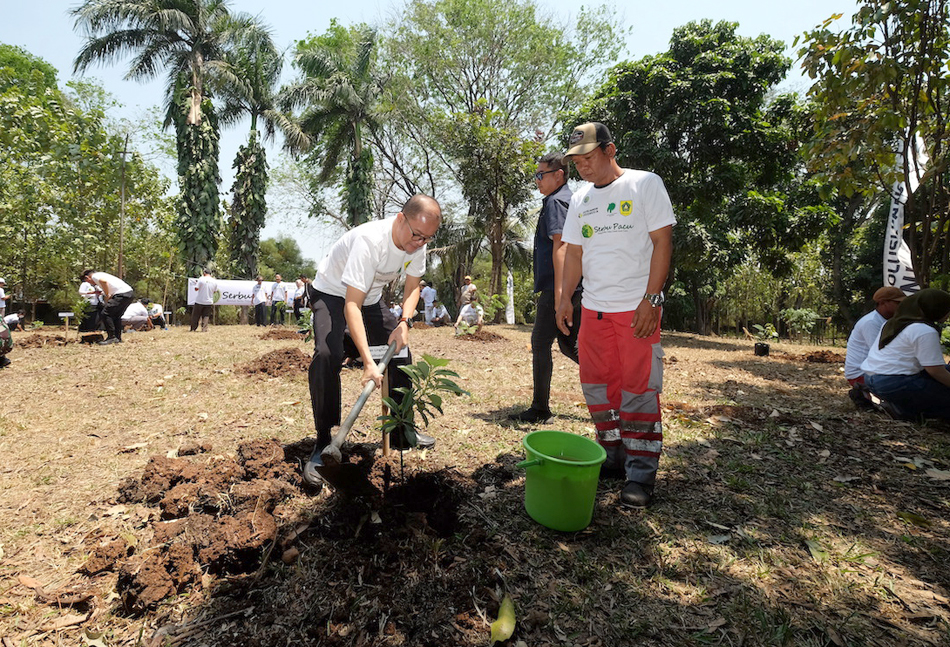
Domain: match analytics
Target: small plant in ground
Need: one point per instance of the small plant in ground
(766, 332)
(429, 381)
(36, 325)
(466, 329)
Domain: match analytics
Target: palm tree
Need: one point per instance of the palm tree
(187, 40)
(338, 95)
(258, 64)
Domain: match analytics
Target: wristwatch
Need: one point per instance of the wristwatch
(656, 300)
(408, 322)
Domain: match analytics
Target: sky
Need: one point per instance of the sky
(45, 29)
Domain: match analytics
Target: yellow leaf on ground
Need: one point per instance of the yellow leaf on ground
(504, 626)
(914, 519)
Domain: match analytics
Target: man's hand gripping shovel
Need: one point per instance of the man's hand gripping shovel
(326, 464)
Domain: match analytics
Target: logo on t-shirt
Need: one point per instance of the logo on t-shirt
(626, 207)
(586, 199)
(611, 207)
(587, 231)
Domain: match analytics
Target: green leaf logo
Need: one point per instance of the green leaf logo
(587, 231)
(611, 207)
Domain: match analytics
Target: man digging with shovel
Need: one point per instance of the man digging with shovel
(346, 297)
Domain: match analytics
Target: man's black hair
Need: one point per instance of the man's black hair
(555, 162)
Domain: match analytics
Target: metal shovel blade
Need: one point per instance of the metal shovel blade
(326, 464)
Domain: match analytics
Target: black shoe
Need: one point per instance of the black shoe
(4, 361)
(636, 495)
(398, 441)
(107, 342)
(612, 473)
(531, 415)
(308, 469)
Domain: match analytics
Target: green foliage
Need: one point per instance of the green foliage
(945, 339)
(430, 380)
(765, 333)
(878, 84)
(493, 305)
(698, 116)
(199, 220)
(249, 209)
(283, 256)
(800, 321)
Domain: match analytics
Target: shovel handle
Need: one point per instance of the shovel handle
(367, 390)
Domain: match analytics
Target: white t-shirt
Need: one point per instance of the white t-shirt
(396, 310)
(155, 310)
(111, 284)
(471, 314)
(612, 224)
(916, 346)
(278, 292)
(864, 335)
(135, 311)
(88, 292)
(205, 288)
(366, 258)
(439, 311)
(13, 319)
(428, 295)
(258, 294)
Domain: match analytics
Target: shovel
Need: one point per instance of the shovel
(327, 464)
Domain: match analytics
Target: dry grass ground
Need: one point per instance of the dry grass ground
(782, 516)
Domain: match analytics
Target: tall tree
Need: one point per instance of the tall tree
(337, 95)
(475, 73)
(187, 40)
(698, 116)
(878, 84)
(258, 64)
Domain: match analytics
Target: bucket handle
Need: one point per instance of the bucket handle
(530, 463)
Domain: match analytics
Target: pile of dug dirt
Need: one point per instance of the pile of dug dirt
(281, 333)
(215, 517)
(816, 357)
(280, 362)
(40, 340)
(482, 336)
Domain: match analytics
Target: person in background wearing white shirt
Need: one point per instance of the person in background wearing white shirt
(92, 318)
(278, 301)
(471, 314)
(117, 295)
(429, 296)
(204, 301)
(136, 316)
(15, 320)
(259, 301)
(4, 297)
(864, 335)
(906, 368)
(440, 316)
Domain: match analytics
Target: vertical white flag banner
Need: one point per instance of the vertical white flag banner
(510, 308)
(898, 266)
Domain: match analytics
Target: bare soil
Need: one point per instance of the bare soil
(150, 496)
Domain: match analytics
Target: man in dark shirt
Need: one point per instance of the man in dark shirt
(551, 179)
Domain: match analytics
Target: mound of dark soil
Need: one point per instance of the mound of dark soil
(482, 336)
(281, 333)
(40, 340)
(215, 517)
(283, 361)
(817, 357)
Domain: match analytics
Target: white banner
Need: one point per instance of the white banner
(898, 265)
(240, 293)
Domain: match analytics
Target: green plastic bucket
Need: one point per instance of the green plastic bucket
(561, 472)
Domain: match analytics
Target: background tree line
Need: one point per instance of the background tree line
(781, 198)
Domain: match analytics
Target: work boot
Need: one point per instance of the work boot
(636, 495)
(531, 415)
(398, 441)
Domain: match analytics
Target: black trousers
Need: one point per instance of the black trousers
(112, 313)
(277, 313)
(329, 330)
(543, 334)
(260, 314)
(199, 311)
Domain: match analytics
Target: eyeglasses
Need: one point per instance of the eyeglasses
(540, 174)
(419, 238)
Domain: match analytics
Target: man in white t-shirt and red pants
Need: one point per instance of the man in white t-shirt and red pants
(116, 295)
(347, 297)
(619, 231)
